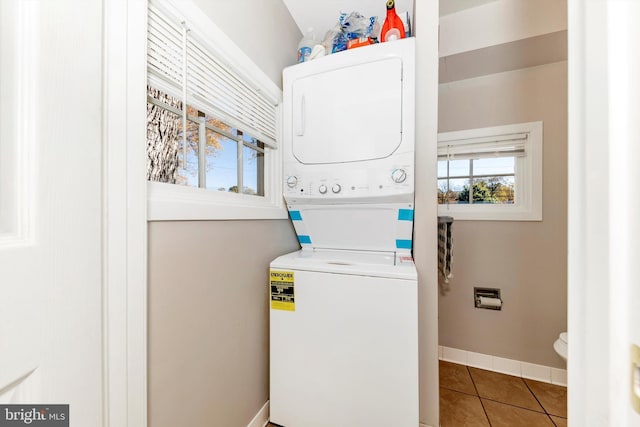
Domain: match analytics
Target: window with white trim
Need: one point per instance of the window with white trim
(212, 120)
(491, 173)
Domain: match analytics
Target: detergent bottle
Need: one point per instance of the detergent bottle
(306, 45)
(393, 27)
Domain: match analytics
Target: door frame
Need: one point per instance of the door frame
(124, 213)
(602, 216)
(125, 216)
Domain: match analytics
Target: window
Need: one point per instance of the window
(491, 173)
(211, 128)
(227, 159)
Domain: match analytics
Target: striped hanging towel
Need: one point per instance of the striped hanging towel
(445, 247)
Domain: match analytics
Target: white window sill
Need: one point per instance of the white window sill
(490, 213)
(170, 202)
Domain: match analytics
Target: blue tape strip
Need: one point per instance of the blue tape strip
(295, 215)
(304, 239)
(405, 215)
(403, 244)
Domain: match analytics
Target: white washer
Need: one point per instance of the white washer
(344, 311)
(345, 354)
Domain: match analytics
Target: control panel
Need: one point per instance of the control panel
(320, 183)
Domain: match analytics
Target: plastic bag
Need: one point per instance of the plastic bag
(350, 26)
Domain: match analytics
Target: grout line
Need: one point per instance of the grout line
(536, 397)
(509, 404)
(519, 407)
(479, 398)
(458, 391)
(472, 381)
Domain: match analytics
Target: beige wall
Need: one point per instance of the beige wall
(209, 319)
(208, 313)
(526, 260)
(263, 29)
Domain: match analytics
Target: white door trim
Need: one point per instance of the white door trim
(602, 276)
(587, 231)
(124, 214)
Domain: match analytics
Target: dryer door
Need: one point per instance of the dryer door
(348, 114)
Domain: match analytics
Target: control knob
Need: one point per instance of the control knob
(336, 188)
(322, 189)
(399, 175)
(292, 181)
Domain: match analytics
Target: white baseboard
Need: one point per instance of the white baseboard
(262, 417)
(516, 368)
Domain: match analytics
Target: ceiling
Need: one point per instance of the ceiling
(448, 7)
(322, 15)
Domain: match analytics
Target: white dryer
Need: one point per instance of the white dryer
(348, 139)
(343, 309)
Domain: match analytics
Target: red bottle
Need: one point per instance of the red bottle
(393, 28)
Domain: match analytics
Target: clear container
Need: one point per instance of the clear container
(306, 45)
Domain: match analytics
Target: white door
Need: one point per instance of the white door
(51, 206)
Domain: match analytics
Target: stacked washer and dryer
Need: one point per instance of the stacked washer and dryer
(344, 308)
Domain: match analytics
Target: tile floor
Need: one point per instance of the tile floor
(471, 397)
(475, 397)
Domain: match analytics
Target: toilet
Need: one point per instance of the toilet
(560, 346)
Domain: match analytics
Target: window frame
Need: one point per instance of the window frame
(203, 128)
(171, 202)
(528, 176)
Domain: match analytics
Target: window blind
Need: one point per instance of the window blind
(511, 145)
(211, 85)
